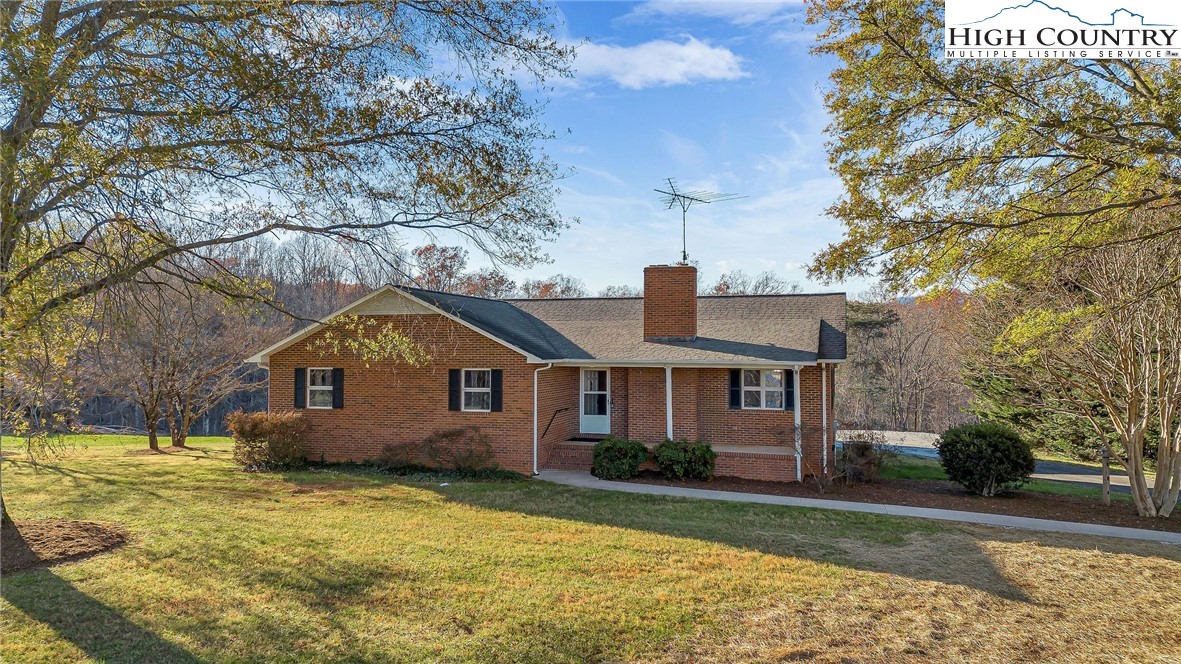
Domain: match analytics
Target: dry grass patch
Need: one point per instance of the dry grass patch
(980, 595)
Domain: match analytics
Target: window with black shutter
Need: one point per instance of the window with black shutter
(454, 395)
(301, 387)
(338, 388)
(497, 390)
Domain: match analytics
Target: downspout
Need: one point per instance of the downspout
(795, 382)
(668, 400)
(535, 372)
(824, 420)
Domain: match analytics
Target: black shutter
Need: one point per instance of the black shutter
(453, 390)
(735, 389)
(301, 387)
(338, 388)
(497, 390)
(789, 390)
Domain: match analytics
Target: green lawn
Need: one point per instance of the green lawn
(915, 468)
(350, 566)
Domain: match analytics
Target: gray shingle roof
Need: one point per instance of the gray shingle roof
(780, 328)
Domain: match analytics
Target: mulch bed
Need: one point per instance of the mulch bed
(940, 494)
(44, 542)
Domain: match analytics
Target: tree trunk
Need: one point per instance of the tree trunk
(1138, 483)
(180, 420)
(179, 431)
(1168, 473)
(5, 520)
(151, 423)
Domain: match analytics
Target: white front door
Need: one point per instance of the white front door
(595, 397)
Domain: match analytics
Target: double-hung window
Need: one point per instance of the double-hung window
(762, 389)
(320, 388)
(477, 390)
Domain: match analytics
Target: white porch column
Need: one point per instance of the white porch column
(668, 400)
(795, 382)
(824, 420)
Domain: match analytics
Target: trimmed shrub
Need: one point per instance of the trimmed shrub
(400, 457)
(681, 459)
(268, 441)
(618, 459)
(465, 448)
(986, 458)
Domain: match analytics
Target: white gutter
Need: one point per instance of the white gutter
(795, 382)
(824, 420)
(535, 372)
(668, 400)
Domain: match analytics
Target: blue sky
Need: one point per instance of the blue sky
(722, 96)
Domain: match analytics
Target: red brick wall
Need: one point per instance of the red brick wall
(686, 398)
(557, 398)
(645, 398)
(399, 403)
(670, 302)
(619, 402)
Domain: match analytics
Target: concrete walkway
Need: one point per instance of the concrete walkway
(588, 481)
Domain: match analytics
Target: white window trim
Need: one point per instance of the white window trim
(464, 389)
(762, 389)
(330, 388)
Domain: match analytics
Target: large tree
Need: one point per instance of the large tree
(175, 350)
(959, 169)
(1104, 337)
(136, 135)
(135, 132)
(1000, 174)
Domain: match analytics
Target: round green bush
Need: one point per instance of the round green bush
(618, 459)
(681, 459)
(986, 458)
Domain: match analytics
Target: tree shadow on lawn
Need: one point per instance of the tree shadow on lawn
(943, 552)
(95, 628)
(913, 548)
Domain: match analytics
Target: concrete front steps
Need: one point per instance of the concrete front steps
(773, 463)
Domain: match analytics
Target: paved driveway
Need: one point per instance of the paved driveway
(919, 444)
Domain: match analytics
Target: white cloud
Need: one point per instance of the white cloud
(684, 152)
(658, 63)
(736, 12)
(802, 34)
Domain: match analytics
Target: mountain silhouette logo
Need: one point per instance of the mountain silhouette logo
(1120, 12)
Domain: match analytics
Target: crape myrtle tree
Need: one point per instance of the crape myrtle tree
(1107, 332)
(133, 134)
(988, 173)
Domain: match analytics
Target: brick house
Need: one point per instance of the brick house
(545, 379)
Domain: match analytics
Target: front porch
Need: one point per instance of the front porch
(750, 415)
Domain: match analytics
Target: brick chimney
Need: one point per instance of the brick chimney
(670, 302)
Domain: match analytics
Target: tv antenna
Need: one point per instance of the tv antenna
(686, 199)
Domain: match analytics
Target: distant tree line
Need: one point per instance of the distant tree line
(904, 371)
